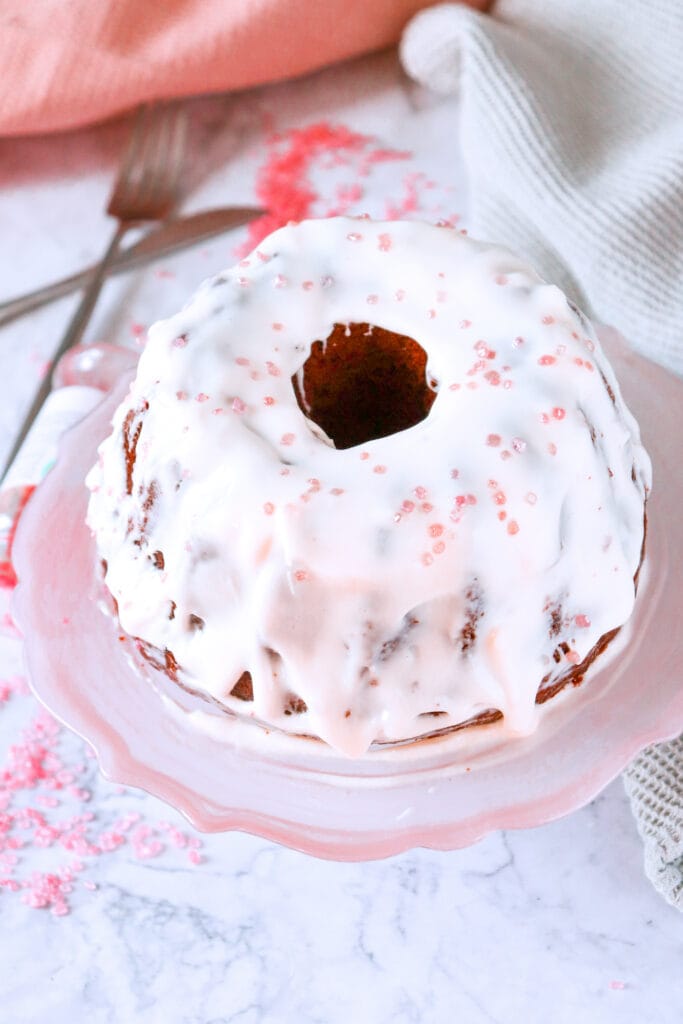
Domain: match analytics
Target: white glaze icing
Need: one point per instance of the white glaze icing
(281, 543)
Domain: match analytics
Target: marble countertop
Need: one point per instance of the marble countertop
(557, 923)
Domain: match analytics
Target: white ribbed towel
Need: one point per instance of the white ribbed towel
(571, 122)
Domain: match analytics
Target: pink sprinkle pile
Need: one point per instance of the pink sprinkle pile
(43, 808)
(285, 188)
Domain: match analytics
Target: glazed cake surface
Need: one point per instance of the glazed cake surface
(376, 480)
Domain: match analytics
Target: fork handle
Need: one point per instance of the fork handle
(72, 336)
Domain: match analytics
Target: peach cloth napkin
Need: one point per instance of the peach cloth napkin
(68, 62)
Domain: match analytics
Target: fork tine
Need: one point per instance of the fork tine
(177, 152)
(170, 162)
(161, 161)
(135, 144)
(154, 166)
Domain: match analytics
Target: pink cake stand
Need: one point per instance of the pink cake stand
(223, 773)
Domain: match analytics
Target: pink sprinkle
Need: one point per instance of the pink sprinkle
(513, 528)
(180, 341)
(90, 886)
(426, 507)
(531, 498)
(454, 387)
(617, 986)
(307, 285)
(218, 412)
(420, 492)
(408, 506)
(518, 445)
(194, 857)
(273, 370)
(427, 558)
(548, 320)
(287, 439)
(479, 365)
(201, 397)
(326, 281)
(501, 279)
(269, 508)
(364, 456)
(455, 473)
(552, 448)
(435, 530)
(400, 295)
(582, 621)
(137, 330)
(441, 296)
(499, 498)
(559, 413)
(242, 361)
(277, 326)
(280, 281)
(493, 440)
(379, 469)
(439, 547)
(589, 345)
(301, 575)
(181, 395)
(238, 406)
(384, 242)
(464, 324)
(337, 491)
(269, 400)
(431, 314)
(573, 657)
(546, 360)
(372, 300)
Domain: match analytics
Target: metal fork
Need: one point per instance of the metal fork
(146, 189)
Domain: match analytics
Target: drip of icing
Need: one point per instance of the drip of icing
(340, 593)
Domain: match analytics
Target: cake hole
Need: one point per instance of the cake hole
(363, 383)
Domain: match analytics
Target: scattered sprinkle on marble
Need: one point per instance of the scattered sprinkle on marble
(44, 819)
